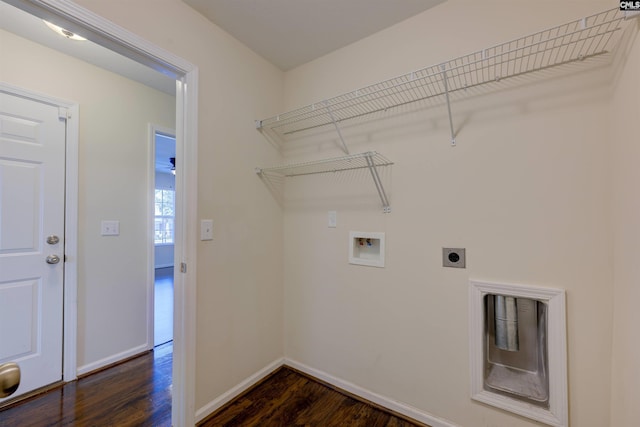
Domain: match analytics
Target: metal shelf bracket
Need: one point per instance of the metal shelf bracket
(335, 124)
(443, 67)
(376, 180)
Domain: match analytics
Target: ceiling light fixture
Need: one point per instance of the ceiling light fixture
(64, 33)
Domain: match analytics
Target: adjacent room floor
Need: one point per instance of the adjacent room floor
(163, 306)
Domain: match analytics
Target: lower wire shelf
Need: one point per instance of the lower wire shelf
(370, 160)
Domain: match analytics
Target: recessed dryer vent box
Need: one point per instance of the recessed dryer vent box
(366, 248)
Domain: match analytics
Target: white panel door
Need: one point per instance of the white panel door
(32, 184)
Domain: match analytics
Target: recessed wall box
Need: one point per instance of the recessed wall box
(366, 248)
(518, 350)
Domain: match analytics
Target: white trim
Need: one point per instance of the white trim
(185, 251)
(557, 415)
(70, 299)
(385, 402)
(70, 351)
(115, 358)
(236, 391)
(151, 246)
(101, 31)
(80, 20)
(151, 250)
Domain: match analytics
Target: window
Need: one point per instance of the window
(165, 212)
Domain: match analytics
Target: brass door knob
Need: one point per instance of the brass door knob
(9, 378)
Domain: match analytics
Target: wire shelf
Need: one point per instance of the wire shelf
(575, 41)
(369, 160)
(337, 164)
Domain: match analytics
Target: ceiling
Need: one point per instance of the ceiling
(31, 28)
(165, 149)
(289, 33)
(265, 26)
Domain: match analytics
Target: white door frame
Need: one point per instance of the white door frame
(151, 164)
(99, 30)
(70, 333)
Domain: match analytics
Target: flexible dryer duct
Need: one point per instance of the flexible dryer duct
(506, 318)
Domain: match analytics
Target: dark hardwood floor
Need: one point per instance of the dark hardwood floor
(138, 393)
(288, 398)
(134, 393)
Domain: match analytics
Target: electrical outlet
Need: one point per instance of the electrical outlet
(454, 257)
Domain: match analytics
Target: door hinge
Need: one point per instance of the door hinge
(183, 267)
(63, 113)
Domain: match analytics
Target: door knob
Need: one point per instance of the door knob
(53, 259)
(53, 239)
(9, 378)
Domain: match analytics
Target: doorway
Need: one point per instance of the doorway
(164, 195)
(103, 32)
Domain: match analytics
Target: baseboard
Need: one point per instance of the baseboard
(100, 364)
(385, 402)
(231, 394)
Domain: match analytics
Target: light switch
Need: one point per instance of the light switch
(110, 228)
(206, 229)
(333, 219)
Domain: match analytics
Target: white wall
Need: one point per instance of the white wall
(113, 160)
(164, 253)
(625, 142)
(526, 191)
(239, 273)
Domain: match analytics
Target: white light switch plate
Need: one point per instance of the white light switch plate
(333, 219)
(206, 229)
(110, 228)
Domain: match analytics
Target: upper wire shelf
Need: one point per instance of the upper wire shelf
(575, 41)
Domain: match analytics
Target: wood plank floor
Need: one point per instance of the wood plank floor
(134, 393)
(138, 393)
(288, 398)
